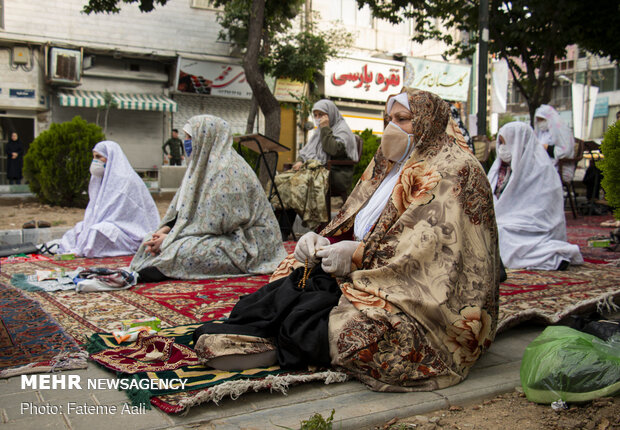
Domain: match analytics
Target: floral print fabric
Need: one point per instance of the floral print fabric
(423, 304)
(224, 222)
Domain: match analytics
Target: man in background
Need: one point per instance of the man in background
(175, 146)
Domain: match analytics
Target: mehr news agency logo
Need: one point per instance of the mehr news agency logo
(74, 382)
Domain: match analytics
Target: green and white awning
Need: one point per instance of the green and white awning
(131, 101)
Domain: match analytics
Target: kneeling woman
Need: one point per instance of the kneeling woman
(406, 293)
(529, 203)
(120, 209)
(219, 222)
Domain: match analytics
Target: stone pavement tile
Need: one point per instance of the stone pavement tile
(351, 386)
(55, 422)
(209, 411)
(512, 344)
(104, 417)
(352, 411)
(483, 383)
(13, 401)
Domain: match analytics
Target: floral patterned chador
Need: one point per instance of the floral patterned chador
(422, 304)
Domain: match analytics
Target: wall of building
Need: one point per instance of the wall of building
(174, 28)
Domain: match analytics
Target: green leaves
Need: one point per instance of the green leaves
(57, 162)
(610, 166)
(111, 6)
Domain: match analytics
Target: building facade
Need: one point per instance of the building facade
(138, 75)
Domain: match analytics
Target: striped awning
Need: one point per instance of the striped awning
(95, 99)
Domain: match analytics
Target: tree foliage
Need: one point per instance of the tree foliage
(529, 34)
(610, 167)
(111, 6)
(57, 162)
(263, 29)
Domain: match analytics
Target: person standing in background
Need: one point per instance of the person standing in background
(14, 159)
(175, 145)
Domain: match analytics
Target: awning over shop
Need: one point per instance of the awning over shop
(95, 99)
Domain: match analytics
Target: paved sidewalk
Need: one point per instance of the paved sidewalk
(356, 407)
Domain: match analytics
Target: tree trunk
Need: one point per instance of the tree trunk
(266, 101)
(249, 127)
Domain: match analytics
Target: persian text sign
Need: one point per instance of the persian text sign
(363, 79)
(449, 81)
(209, 77)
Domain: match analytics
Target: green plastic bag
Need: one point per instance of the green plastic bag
(569, 365)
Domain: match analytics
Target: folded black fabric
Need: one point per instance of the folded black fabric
(295, 318)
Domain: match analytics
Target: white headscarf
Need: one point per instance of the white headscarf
(530, 210)
(341, 131)
(120, 208)
(558, 134)
(224, 222)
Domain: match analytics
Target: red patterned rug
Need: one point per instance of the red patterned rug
(585, 227)
(30, 340)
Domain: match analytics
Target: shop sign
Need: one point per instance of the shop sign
(24, 94)
(213, 78)
(449, 81)
(288, 90)
(601, 108)
(363, 79)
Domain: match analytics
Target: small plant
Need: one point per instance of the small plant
(610, 166)
(316, 422)
(56, 165)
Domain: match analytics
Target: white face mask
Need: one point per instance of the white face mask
(543, 125)
(504, 154)
(97, 167)
(396, 143)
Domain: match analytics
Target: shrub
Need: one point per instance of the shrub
(57, 163)
(610, 165)
(371, 144)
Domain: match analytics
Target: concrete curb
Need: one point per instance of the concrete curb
(33, 235)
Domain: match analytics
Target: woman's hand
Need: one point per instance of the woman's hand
(307, 247)
(324, 122)
(297, 165)
(153, 245)
(336, 258)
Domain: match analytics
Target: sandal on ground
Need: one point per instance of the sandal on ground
(43, 224)
(30, 224)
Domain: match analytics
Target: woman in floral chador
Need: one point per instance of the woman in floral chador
(219, 222)
(414, 253)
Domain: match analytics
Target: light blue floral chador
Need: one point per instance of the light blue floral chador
(224, 223)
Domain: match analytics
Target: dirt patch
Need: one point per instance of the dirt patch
(513, 411)
(14, 213)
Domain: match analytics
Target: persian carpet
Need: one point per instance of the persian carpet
(583, 228)
(203, 384)
(173, 302)
(550, 296)
(30, 340)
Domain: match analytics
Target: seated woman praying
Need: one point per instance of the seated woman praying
(401, 288)
(303, 188)
(120, 209)
(219, 222)
(529, 203)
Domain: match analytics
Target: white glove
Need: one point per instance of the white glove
(307, 247)
(336, 258)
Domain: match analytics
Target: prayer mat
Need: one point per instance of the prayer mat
(550, 296)
(581, 229)
(30, 340)
(160, 384)
(173, 302)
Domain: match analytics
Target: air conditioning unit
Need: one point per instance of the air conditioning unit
(64, 67)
